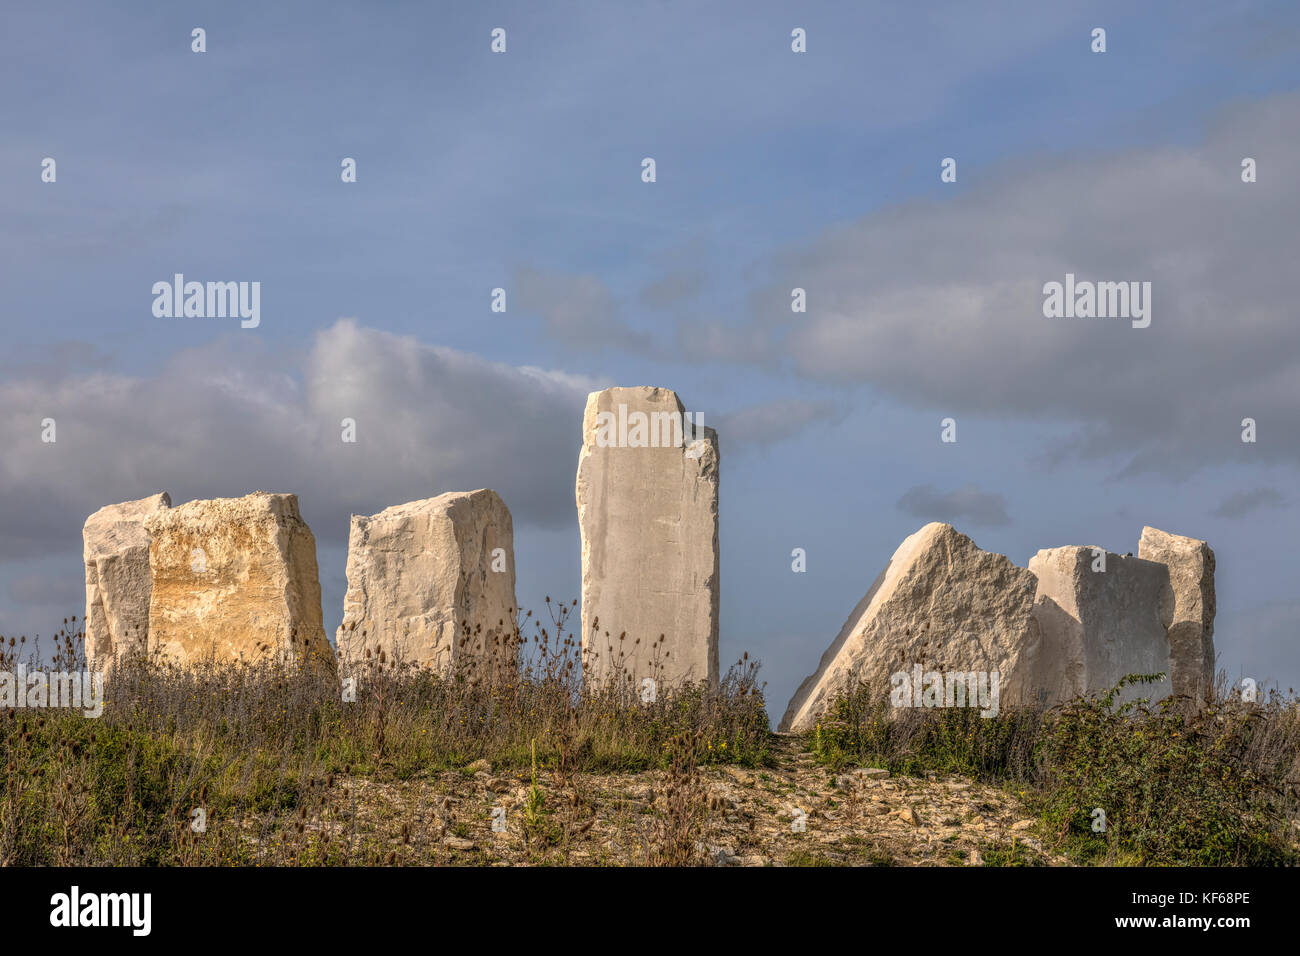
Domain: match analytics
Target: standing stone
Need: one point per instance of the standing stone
(115, 546)
(432, 583)
(647, 494)
(942, 603)
(235, 579)
(1192, 606)
(1101, 624)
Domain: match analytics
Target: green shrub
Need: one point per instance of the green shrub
(1178, 784)
(861, 728)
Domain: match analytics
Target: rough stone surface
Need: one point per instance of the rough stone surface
(891, 821)
(1191, 633)
(648, 517)
(115, 546)
(941, 602)
(236, 579)
(1098, 626)
(432, 583)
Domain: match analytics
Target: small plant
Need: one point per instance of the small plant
(1009, 853)
(808, 858)
(678, 839)
(535, 823)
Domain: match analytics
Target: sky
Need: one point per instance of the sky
(522, 170)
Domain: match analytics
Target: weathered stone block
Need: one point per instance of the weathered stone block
(1191, 608)
(647, 493)
(942, 603)
(1099, 625)
(236, 579)
(115, 547)
(432, 583)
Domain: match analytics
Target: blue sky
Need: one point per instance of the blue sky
(775, 169)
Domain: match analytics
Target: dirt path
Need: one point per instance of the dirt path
(795, 813)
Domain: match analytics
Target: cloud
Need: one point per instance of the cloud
(763, 424)
(56, 359)
(673, 289)
(232, 417)
(1241, 503)
(1259, 644)
(938, 302)
(576, 310)
(966, 504)
(37, 594)
(702, 340)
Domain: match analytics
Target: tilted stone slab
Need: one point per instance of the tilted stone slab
(647, 494)
(942, 603)
(1099, 625)
(1191, 631)
(236, 579)
(115, 547)
(432, 583)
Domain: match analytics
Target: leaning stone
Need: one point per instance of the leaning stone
(941, 603)
(432, 583)
(115, 547)
(235, 579)
(1100, 625)
(647, 494)
(1192, 607)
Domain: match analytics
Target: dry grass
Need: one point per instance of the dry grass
(260, 749)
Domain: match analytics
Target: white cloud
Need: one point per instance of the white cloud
(228, 419)
(938, 303)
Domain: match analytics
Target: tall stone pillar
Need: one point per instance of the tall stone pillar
(1191, 608)
(647, 494)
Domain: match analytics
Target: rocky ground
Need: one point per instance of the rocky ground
(796, 813)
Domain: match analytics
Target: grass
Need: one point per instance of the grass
(258, 748)
(286, 772)
(1119, 784)
(1009, 853)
